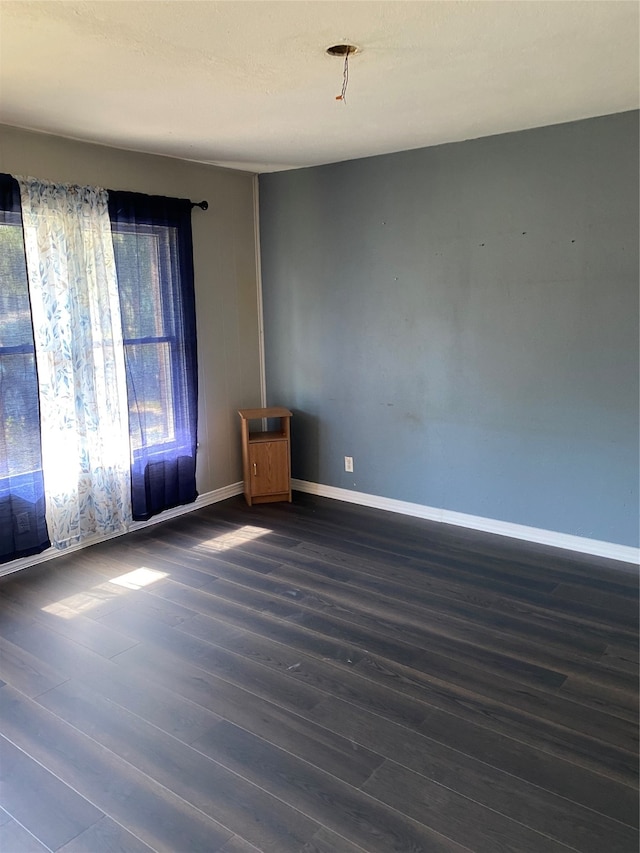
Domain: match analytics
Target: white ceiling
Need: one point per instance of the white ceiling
(248, 84)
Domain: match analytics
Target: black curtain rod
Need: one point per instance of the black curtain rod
(203, 205)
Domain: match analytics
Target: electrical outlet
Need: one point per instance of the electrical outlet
(348, 464)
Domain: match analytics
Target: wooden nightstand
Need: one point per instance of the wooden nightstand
(266, 456)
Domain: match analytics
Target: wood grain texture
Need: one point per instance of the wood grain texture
(444, 808)
(106, 836)
(479, 781)
(45, 806)
(14, 838)
(318, 677)
(133, 799)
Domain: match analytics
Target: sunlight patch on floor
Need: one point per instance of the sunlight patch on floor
(139, 578)
(81, 602)
(233, 539)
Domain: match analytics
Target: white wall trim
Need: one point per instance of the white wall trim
(583, 545)
(256, 232)
(51, 553)
(594, 547)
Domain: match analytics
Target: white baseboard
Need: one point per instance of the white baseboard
(583, 545)
(594, 547)
(51, 553)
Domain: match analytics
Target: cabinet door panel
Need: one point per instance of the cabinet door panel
(269, 467)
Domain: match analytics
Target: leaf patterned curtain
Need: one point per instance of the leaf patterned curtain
(79, 358)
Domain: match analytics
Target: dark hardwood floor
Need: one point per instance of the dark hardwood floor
(318, 677)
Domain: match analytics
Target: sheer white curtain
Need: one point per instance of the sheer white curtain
(80, 360)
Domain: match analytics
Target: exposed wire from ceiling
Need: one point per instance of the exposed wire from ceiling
(345, 80)
(345, 50)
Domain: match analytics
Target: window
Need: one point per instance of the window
(22, 523)
(151, 238)
(153, 252)
(20, 438)
(148, 328)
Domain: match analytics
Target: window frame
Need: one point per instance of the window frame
(167, 274)
(13, 219)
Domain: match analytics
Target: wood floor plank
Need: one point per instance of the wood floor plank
(255, 561)
(173, 712)
(364, 696)
(320, 677)
(505, 598)
(391, 528)
(565, 714)
(25, 671)
(482, 829)
(106, 836)
(215, 660)
(112, 564)
(423, 581)
(214, 688)
(239, 845)
(612, 798)
(281, 725)
(238, 805)
(586, 750)
(556, 727)
(223, 611)
(438, 622)
(389, 537)
(336, 550)
(202, 547)
(460, 650)
(267, 547)
(323, 677)
(326, 841)
(549, 803)
(160, 705)
(63, 657)
(59, 615)
(624, 659)
(365, 633)
(327, 750)
(499, 603)
(14, 838)
(40, 802)
(355, 546)
(338, 806)
(623, 703)
(69, 592)
(619, 603)
(153, 814)
(445, 598)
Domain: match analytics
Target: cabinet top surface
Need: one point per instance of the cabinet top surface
(271, 412)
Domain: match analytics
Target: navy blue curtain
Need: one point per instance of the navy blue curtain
(23, 529)
(154, 263)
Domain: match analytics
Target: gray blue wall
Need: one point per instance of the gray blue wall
(463, 321)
